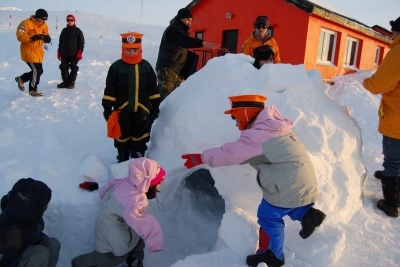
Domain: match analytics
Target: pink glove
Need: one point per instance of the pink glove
(192, 160)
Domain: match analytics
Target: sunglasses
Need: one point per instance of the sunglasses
(70, 20)
(261, 26)
(44, 18)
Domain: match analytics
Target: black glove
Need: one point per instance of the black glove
(46, 39)
(107, 113)
(37, 37)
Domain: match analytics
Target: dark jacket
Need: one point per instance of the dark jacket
(71, 40)
(174, 44)
(21, 222)
(121, 91)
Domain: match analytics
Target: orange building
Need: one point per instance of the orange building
(306, 33)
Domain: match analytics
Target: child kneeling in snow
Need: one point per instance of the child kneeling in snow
(285, 173)
(122, 222)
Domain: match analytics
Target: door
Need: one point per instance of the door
(230, 40)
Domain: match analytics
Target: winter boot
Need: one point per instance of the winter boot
(268, 257)
(65, 77)
(311, 220)
(35, 93)
(391, 193)
(71, 80)
(378, 174)
(20, 83)
(132, 262)
(123, 155)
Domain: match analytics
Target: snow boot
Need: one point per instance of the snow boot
(268, 257)
(123, 155)
(378, 174)
(391, 193)
(132, 262)
(35, 93)
(20, 83)
(311, 220)
(71, 80)
(64, 76)
(71, 85)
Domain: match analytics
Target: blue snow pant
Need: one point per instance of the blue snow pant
(391, 159)
(270, 218)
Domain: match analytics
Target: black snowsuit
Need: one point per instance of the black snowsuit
(138, 101)
(71, 41)
(21, 221)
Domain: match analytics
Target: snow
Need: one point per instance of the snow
(61, 139)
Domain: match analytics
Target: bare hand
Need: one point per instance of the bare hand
(210, 45)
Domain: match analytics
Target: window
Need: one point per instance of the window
(199, 35)
(350, 55)
(270, 31)
(378, 57)
(326, 48)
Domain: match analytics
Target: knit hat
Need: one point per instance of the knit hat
(261, 20)
(131, 40)
(395, 25)
(71, 17)
(41, 13)
(245, 108)
(159, 177)
(184, 13)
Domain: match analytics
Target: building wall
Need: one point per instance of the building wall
(366, 50)
(296, 32)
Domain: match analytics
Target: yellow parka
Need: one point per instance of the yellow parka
(31, 51)
(386, 80)
(252, 43)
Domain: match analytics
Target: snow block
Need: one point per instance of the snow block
(94, 169)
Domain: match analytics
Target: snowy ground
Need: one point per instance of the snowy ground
(60, 138)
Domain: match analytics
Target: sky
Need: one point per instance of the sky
(60, 139)
(160, 12)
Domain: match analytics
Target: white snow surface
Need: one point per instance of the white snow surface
(61, 139)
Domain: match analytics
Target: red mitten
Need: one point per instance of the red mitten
(79, 55)
(59, 55)
(192, 160)
(90, 186)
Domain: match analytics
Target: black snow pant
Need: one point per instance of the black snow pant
(69, 62)
(134, 132)
(33, 77)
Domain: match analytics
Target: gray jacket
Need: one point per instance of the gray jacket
(285, 173)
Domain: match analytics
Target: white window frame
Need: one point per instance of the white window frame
(379, 50)
(348, 54)
(323, 59)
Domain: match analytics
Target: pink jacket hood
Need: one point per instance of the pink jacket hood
(271, 119)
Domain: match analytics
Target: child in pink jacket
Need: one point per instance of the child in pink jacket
(285, 173)
(122, 226)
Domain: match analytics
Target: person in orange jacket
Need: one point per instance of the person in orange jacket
(259, 37)
(386, 81)
(33, 33)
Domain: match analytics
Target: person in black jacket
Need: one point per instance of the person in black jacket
(131, 89)
(70, 48)
(173, 51)
(23, 242)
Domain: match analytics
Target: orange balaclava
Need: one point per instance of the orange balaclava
(131, 40)
(245, 108)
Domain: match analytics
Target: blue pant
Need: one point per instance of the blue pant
(391, 159)
(270, 220)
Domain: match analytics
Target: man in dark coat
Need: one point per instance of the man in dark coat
(70, 48)
(131, 90)
(173, 52)
(23, 242)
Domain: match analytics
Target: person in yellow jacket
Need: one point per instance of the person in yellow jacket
(260, 37)
(386, 81)
(33, 33)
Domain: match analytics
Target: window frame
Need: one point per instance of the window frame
(378, 55)
(347, 55)
(196, 35)
(323, 55)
